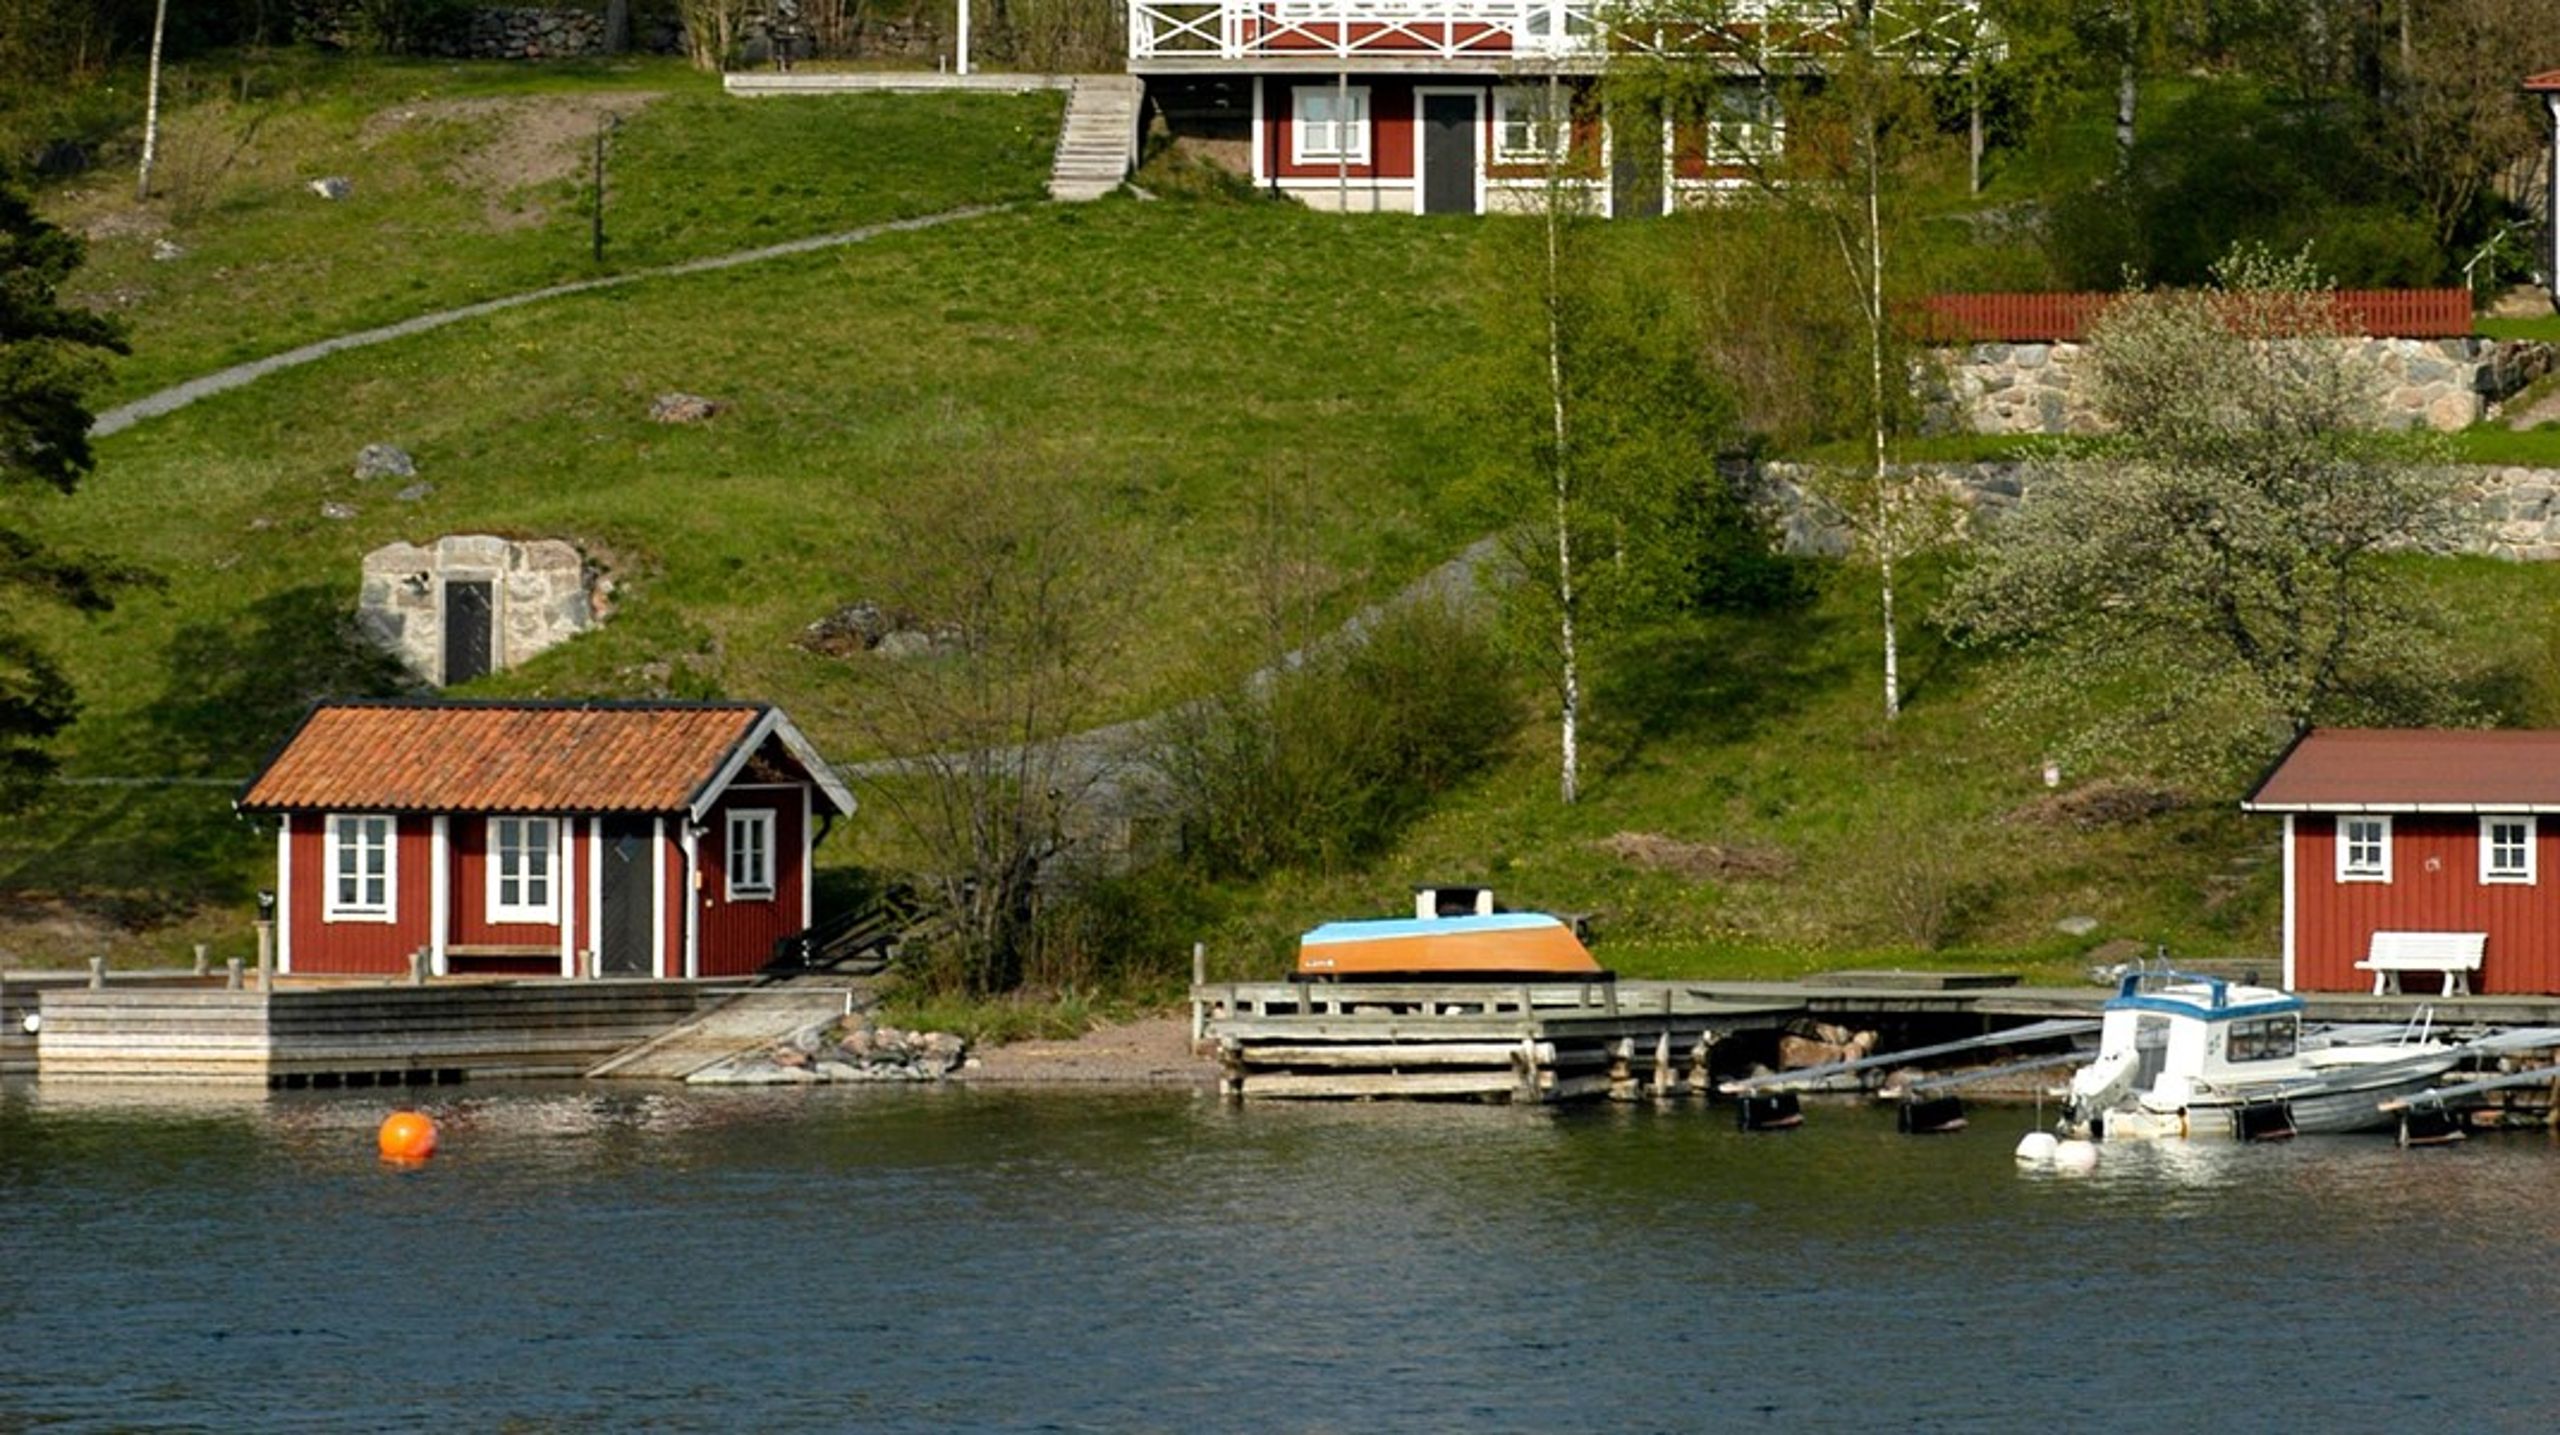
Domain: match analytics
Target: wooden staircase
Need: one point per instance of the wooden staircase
(1098, 143)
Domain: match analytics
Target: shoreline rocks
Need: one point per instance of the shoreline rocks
(852, 1050)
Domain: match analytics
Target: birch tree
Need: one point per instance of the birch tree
(1604, 428)
(1829, 115)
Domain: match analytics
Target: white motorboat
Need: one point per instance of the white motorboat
(2182, 1055)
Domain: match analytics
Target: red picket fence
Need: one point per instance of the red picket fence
(2065, 318)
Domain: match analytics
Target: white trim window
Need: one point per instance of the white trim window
(2364, 849)
(747, 852)
(363, 867)
(522, 884)
(1742, 125)
(2506, 849)
(1329, 124)
(1526, 129)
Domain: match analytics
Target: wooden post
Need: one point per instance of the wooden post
(97, 974)
(204, 963)
(231, 974)
(266, 954)
(1199, 979)
(1622, 1069)
(418, 967)
(1662, 1063)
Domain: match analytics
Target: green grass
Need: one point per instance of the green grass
(1168, 368)
(473, 180)
(1912, 844)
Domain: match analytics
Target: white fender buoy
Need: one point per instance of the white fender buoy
(2036, 1148)
(2075, 1155)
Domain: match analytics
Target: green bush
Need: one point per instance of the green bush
(1324, 763)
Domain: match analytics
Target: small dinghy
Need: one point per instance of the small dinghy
(1455, 932)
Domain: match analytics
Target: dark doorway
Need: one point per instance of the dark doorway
(1635, 161)
(629, 890)
(1449, 154)
(466, 630)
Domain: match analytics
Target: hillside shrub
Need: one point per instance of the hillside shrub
(1325, 763)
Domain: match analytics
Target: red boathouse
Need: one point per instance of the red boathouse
(2431, 838)
(648, 839)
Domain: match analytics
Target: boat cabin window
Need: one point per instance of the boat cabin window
(2270, 1040)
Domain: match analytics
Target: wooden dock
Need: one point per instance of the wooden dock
(351, 1035)
(1534, 1042)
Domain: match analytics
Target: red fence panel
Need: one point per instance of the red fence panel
(2059, 318)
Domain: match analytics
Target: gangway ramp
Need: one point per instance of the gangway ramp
(752, 1020)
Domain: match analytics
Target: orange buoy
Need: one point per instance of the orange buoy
(407, 1136)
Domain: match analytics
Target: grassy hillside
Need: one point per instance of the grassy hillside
(1218, 387)
(474, 180)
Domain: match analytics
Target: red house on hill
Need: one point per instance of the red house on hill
(2405, 846)
(542, 838)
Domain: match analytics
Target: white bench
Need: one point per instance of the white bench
(2451, 955)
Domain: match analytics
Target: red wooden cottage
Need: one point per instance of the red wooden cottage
(1463, 106)
(542, 838)
(2419, 852)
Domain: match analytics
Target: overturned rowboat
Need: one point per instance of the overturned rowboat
(1455, 932)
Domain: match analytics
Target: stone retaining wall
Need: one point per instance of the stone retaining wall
(2505, 512)
(2015, 388)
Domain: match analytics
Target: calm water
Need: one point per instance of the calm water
(582, 1258)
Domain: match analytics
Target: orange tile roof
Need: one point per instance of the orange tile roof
(502, 757)
(2547, 80)
(2414, 770)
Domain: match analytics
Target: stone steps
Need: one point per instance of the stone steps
(1098, 142)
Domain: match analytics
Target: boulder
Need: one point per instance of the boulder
(333, 187)
(415, 493)
(384, 460)
(678, 408)
(336, 511)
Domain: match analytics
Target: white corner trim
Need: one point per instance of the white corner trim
(564, 866)
(2289, 926)
(808, 858)
(692, 903)
(284, 895)
(595, 891)
(440, 894)
(657, 896)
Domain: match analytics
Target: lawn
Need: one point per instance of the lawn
(469, 181)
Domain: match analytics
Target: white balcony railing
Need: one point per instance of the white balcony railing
(1766, 33)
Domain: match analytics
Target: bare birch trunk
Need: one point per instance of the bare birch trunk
(1570, 782)
(151, 104)
(1886, 518)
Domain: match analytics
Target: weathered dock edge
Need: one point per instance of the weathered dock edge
(352, 1035)
(1520, 1042)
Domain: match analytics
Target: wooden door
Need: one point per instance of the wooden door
(1449, 139)
(467, 629)
(629, 895)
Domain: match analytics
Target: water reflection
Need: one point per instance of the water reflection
(855, 1258)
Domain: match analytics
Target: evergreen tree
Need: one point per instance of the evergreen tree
(49, 354)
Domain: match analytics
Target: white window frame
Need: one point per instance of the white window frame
(765, 822)
(1758, 131)
(535, 837)
(2348, 869)
(1303, 126)
(1558, 134)
(339, 825)
(2490, 873)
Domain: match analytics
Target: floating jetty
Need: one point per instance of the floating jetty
(1503, 1041)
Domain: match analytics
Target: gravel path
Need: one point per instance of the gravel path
(168, 400)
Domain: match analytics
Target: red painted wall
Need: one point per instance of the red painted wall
(1390, 130)
(380, 948)
(2435, 886)
(468, 921)
(737, 937)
